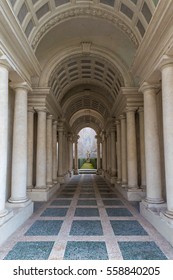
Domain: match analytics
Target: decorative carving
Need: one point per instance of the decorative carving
(84, 11)
(86, 46)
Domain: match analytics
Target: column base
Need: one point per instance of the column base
(131, 194)
(154, 201)
(14, 205)
(30, 187)
(158, 219)
(118, 181)
(14, 219)
(61, 179)
(124, 184)
(154, 206)
(113, 180)
(49, 184)
(3, 213)
(5, 216)
(38, 194)
(168, 215)
(40, 187)
(18, 202)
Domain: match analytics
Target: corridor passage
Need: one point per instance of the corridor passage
(87, 220)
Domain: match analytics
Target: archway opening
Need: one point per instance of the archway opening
(87, 150)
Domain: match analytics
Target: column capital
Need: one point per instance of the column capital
(41, 109)
(22, 85)
(49, 116)
(4, 62)
(98, 138)
(60, 126)
(166, 61)
(113, 129)
(117, 122)
(76, 138)
(123, 116)
(31, 109)
(140, 109)
(145, 87)
(55, 122)
(131, 109)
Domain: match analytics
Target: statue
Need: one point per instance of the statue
(88, 156)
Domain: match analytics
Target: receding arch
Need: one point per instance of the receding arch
(73, 51)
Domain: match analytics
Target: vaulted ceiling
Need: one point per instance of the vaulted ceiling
(85, 49)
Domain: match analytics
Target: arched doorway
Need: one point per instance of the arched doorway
(87, 151)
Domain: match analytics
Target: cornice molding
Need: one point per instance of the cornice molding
(42, 97)
(157, 41)
(145, 87)
(128, 99)
(15, 45)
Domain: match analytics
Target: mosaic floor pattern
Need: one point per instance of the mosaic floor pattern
(86, 220)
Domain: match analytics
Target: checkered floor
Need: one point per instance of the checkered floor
(87, 220)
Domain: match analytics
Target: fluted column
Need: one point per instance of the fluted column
(152, 147)
(30, 147)
(49, 152)
(4, 73)
(60, 149)
(19, 152)
(142, 147)
(167, 103)
(131, 149)
(123, 151)
(54, 151)
(118, 128)
(41, 149)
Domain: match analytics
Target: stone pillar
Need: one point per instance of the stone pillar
(103, 153)
(98, 152)
(142, 147)
(113, 152)
(152, 147)
(41, 149)
(131, 149)
(70, 156)
(66, 153)
(107, 153)
(167, 103)
(30, 148)
(4, 73)
(49, 152)
(60, 150)
(19, 152)
(118, 128)
(123, 151)
(54, 151)
(76, 156)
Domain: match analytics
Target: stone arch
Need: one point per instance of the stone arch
(58, 58)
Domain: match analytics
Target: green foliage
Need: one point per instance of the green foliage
(87, 165)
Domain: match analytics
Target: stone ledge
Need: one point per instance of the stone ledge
(37, 194)
(18, 217)
(157, 218)
(131, 194)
